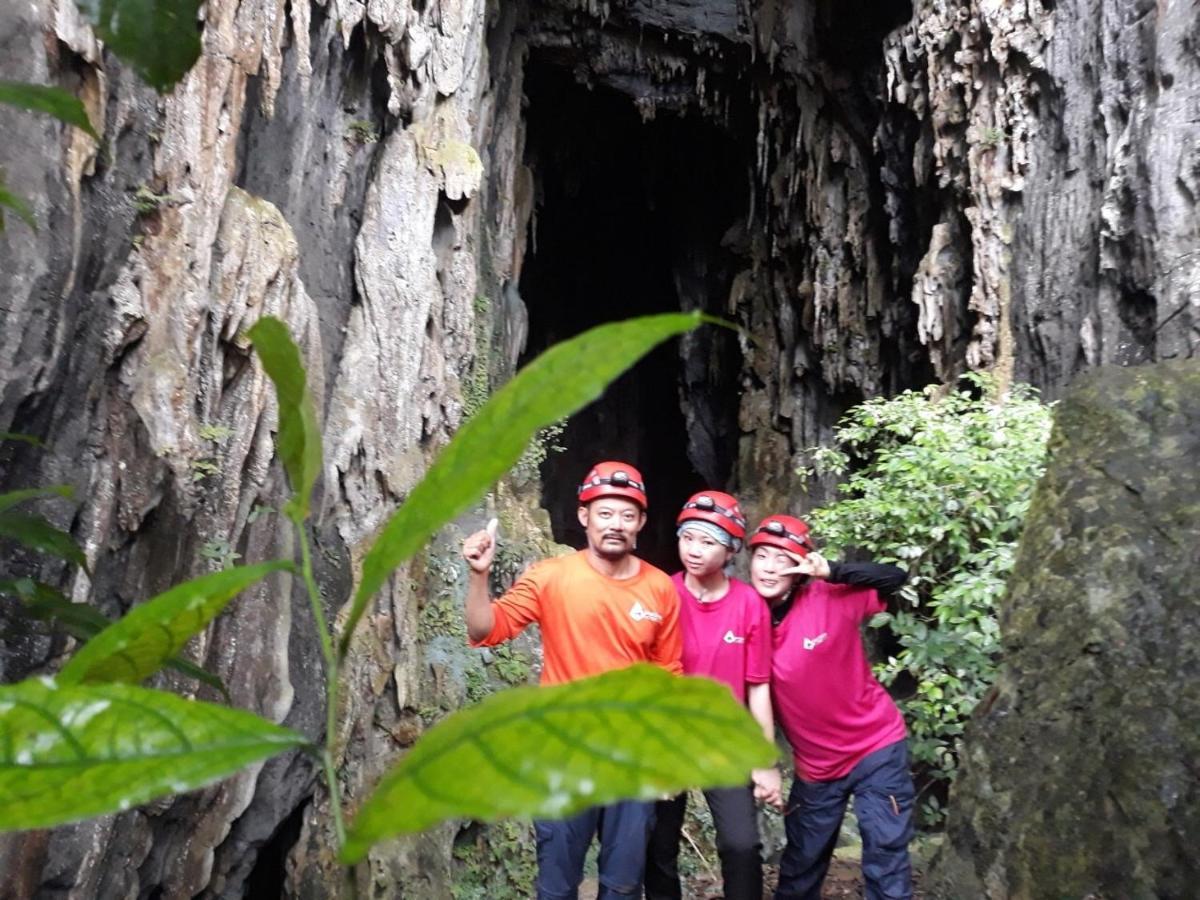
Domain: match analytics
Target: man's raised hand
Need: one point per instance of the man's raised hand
(480, 548)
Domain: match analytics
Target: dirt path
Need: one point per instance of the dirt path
(844, 882)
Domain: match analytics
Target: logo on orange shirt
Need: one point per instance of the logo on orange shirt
(639, 613)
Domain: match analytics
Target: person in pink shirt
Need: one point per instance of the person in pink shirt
(727, 637)
(847, 736)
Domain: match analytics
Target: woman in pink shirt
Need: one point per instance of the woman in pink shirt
(847, 735)
(727, 637)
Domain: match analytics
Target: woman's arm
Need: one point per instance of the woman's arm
(768, 784)
(884, 578)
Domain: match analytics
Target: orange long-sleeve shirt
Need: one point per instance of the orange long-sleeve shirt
(592, 623)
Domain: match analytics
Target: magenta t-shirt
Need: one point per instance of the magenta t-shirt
(728, 640)
(829, 704)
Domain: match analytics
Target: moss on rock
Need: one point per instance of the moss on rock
(1080, 777)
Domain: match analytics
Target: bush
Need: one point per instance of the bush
(939, 486)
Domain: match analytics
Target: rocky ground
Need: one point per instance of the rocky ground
(843, 883)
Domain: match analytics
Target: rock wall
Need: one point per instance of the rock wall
(323, 163)
(925, 187)
(1079, 779)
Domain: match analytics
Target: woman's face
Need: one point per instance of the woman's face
(766, 564)
(701, 554)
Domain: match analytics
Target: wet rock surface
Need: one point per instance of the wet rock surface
(1080, 777)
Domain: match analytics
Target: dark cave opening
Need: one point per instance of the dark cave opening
(635, 217)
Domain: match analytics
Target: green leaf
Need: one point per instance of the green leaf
(25, 214)
(68, 752)
(47, 604)
(562, 380)
(137, 645)
(159, 38)
(552, 751)
(299, 433)
(51, 100)
(82, 622)
(15, 435)
(38, 534)
(12, 498)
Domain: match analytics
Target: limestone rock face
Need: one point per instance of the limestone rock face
(1080, 779)
(912, 189)
(313, 166)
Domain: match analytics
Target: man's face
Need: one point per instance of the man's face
(612, 524)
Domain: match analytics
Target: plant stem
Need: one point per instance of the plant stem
(331, 685)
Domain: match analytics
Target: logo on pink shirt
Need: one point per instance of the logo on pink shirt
(731, 638)
(811, 643)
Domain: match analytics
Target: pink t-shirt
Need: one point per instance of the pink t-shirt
(728, 640)
(827, 701)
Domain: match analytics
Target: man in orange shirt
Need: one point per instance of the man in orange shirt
(599, 609)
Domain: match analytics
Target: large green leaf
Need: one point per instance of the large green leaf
(552, 751)
(42, 98)
(299, 433)
(159, 38)
(137, 645)
(562, 380)
(12, 498)
(68, 752)
(82, 622)
(38, 534)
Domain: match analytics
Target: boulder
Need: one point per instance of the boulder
(1081, 772)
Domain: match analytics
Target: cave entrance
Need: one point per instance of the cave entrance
(635, 217)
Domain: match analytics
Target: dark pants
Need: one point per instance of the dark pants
(883, 801)
(738, 845)
(562, 846)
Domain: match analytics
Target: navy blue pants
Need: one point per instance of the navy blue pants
(738, 845)
(562, 846)
(882, 788)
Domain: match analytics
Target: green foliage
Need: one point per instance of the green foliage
(221, 552)
(68, 752)
(544, 442)
(299, 443)
(563, 379)
(159, 38)
(510, 666)
(50, 100)
(362, 131)
(11, 201)
(991, 137)
(30, 439)
(12, 498)
(82, 622)
(496, 862)
(137, 645)
(38, 534)
(216, 433)
(552, 751)
(258, 512)
(939, 486)
(202, 468)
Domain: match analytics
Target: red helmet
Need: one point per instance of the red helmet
(613, 479)
(716, 507)
(785, 532)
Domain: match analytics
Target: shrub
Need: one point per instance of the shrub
(939, 485)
